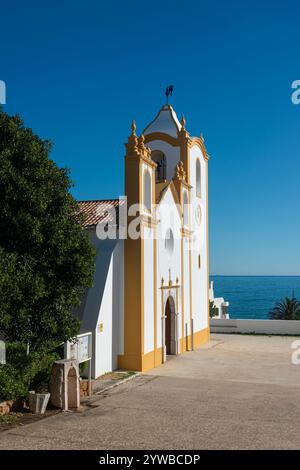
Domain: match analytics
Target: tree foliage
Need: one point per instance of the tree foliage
(286, 309)
(46, 258)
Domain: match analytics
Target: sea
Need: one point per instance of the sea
(254, 296)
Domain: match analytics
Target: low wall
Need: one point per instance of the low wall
(269, 327)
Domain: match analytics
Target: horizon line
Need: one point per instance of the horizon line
(255, 275)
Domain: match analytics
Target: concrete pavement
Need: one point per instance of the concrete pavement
(239, 392)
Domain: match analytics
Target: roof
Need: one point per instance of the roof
(99, 211)
(161, 189)
(165, 121)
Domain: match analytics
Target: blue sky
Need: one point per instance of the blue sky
(78, 72)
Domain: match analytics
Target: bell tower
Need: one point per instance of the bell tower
(139, 279)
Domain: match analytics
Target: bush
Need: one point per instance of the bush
(46, 255)
(11, 383)
(40, 370)
(287, 309)
(25, 372)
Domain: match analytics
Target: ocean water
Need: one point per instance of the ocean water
(254, 296)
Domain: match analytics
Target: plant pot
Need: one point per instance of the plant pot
(38, 402)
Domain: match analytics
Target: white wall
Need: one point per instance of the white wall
(103, 304)
(165, 261)
(186, 264)
(199, 276)
(279, 327)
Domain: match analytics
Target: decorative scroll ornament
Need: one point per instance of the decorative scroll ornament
(132, 144)
(180, 174)
(143, 150)
(183, 133)
(183, 122)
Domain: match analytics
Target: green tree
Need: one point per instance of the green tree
(286, 309)
(46, 258)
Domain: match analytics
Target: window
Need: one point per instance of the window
(198, 178)
(185, 209)
(169, 242)
(147, 190)
(160, 159)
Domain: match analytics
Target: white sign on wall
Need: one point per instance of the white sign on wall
(81, 350)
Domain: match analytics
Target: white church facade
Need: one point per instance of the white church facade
(150, 296)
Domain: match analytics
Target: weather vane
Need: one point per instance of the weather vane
(169, 92)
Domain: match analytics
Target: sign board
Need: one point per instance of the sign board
(2, 352)
(80, 350)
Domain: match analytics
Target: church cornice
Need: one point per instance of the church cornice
(199, 142)
(186, 232)
(162, 136)
(136, 148)
(179, 141)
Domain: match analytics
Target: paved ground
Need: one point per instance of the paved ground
(238, 392)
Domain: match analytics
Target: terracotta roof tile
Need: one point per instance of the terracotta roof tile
(98, 211)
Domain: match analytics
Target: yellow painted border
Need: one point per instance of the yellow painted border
(154, 358)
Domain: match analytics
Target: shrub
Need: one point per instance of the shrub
(46, 256)
(24, 371)
(286, 309)
(11, 383)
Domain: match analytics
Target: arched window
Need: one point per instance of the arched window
(198, 178)
(185, 209)
(169, 242)
(160, 159)
(147, 190)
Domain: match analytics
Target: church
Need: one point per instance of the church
(150, 295)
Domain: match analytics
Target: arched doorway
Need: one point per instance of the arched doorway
(171, 336)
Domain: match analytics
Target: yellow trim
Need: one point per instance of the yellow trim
(155, 291)
(162, 136)
(199, 142)
(182, 294)
(190, 292)
(207, 251)
(149, 162)
(148, 221)
(174, 192)
(185, 142)
(141, 363)
(148, 360)
(134, 357)
(154, 358)
(186, 232)
(133, 272)
(185, 156)
(146, 171)
(161, 317)
(200, 337)
(142, 290)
